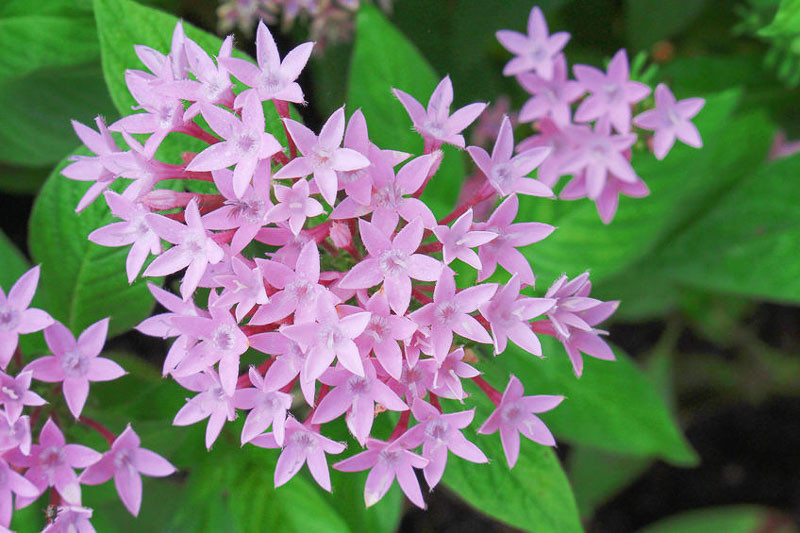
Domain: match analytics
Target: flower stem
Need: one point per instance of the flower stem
(100, 428)
(492, 393)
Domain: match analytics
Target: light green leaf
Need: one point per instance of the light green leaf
(534, 495)
(384, 59)
(613, 406)
(81, 282)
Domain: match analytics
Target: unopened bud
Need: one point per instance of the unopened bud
(163, 199)
(340, 235)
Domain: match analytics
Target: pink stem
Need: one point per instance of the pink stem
(492, 393)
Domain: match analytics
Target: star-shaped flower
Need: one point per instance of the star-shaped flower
(535, 51)
(16, 317)
(671, 119)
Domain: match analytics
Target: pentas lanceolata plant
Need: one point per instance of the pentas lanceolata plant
(28, 468)
(321, 256)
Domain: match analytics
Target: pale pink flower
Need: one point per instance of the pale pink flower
(126, 461)
(212, 402)
(448, 374)
(267, 406)
(71, 519)
(16, 317)
(11, 481)
(514, 415)
(383, 333)
(550, 97)
(439, 432)
(15, 394)
(244, 287)
(290, 361)
(15, 434)
(75, 363)
(92, 168)
(608, 199)
(302, 445)
(612, 93)
(387, 461)
(534, 51)
(436, 125)
(459, 239)
(671, 119)
(322, 155)
(294, 205)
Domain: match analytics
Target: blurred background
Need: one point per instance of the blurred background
(706, 268)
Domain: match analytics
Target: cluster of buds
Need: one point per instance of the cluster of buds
(321, 257)
(329, 21)
(28, 470)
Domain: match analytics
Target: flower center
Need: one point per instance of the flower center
(9, 318)
(394, 262)
(224, 338)
(75, 363)
(123, 459)
(502, 174)
(438, 430)
(445, 313)
(356, 385)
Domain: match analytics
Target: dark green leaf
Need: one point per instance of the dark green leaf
(12, 263)
(650, 21)
(597, 475)
(731, 519)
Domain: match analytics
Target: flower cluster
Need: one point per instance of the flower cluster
(28, 469)
(593, 146)
(318, 255)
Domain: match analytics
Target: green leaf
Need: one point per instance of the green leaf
(16, 180)
(81, 282)
(650, 21)
(535, 495)
(613, 406)
(731, 519)
(12, 263)
(36, 126)
(384, 59)
(786, 22)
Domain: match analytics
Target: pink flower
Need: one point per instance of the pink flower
(671, 119)
(71, 519)
(508, 314)
(382, 334)
(212, 402)
(612, 93)
(92, 168)
(387, 461)
(550, 97)
(125, 462)
(449, 313)
(51, 464)
(246, 143)
(393, 263)
(459, 239)
(76, 363)
(608, 199)
(194, 248)
(273, 79)
(535, 51)
(290, 361)
(12, 482)
(503, 248)
(437, 125)
(514, 415)
(132, 230)
(294, 205)
(15, 434)
(507, 174)
(356, 395)
(302, 445)
(572, 319)
(14, 394)
(322, 155)
(16, 317)
(267, 406)
(438, 433)
(244, 287)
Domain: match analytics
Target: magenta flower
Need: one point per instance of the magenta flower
(194, 248)
(71, 519)
(212, 402)
(459, 239)
(51, 463)
(273, 79)
(356, 395)
(514, 415)
(572, 319)
(436, 125)
(438, 433)
(449, 313)
(322, 155)
(12, 482)
(75, 363)
(612, 93)
(132, 230)
(246, 212)
(92, 168)
(550, 97)
(503, 249)
(125, 462)
(387, 461)
(14, 394)
(16, 318)
(294, 205)
(267, 406)
(246, 143)
(299, 288)
(507, 174)
(535, 51)
(302, 445)
(509, 314)
(671, 119)
(328, 338)
(383, 332)
(392, 262)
